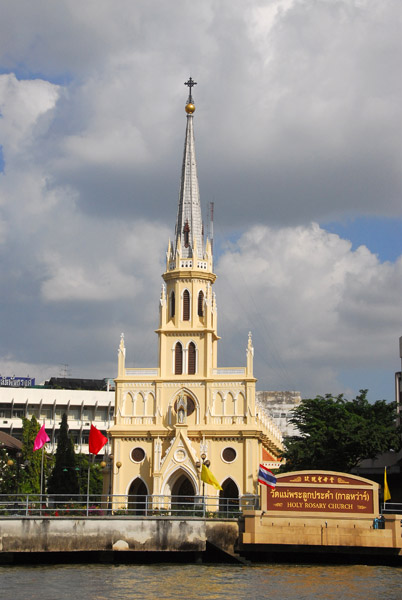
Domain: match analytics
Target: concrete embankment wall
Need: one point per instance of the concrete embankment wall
(115, 534)
(257, 536)
(345, 534)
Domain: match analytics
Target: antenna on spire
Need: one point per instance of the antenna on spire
(190, 83)
(64, 371)
(211, 225)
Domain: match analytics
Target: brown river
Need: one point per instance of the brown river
(200, 582)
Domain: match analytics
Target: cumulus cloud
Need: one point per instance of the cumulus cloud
(298, 119)
(298, 103)
(310, 300)
(22, 104)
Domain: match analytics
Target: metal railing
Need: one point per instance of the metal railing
(205, 507)
(394, 508)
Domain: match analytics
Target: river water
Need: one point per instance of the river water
(200, 582)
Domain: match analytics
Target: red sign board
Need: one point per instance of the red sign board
(322, 492)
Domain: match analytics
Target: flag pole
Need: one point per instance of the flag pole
(41, 475)
(89, 473)
(39, 443)
(96, 442)
(41, 478)
(89, 476)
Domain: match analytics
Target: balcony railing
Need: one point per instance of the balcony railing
(132, 371)
(229, 371)
(228, 420)
(142, 420)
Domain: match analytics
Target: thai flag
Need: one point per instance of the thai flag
(266, 477)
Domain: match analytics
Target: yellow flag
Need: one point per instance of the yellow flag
(207, 477)
(387, 494)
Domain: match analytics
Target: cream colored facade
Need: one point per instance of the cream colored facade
(187, 409)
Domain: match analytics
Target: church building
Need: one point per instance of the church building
(187, 411)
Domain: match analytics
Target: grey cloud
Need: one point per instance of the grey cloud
(298, 118)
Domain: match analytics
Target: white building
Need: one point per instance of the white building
(82, 407)
(279, 406)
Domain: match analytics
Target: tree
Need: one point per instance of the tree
(28, 471)
(64, 477)
(8, 472)
(95, 476)
(20, 471)
(336, 434)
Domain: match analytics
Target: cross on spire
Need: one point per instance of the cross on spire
(190, 83)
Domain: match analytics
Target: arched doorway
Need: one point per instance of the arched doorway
(229, 497)
(137, 497)
(182, 493)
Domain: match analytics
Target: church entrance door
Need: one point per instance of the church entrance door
(228, 497)
(182, 494)
(137, 497)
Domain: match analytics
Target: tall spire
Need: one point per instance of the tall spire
(189, 227)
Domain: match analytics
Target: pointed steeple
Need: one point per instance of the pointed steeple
(189, 228)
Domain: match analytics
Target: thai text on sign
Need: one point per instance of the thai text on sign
(322, 492)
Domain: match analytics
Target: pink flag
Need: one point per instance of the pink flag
(41, 438)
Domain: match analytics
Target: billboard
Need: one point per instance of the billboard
(323, 492)
(17, 381)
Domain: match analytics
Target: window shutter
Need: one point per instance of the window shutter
(178, 359)
(172, 305)
(191, 359)
(201, 304)
(186, 305)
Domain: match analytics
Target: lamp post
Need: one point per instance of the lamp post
(199, 464)
(109, 465)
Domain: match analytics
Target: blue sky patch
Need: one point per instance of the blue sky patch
(22, 73)
(382, 236)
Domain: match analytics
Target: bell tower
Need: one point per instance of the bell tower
(171, 417)
(188, 313)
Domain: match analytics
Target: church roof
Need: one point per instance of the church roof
(189, 227)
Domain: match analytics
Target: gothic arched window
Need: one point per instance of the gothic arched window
(186, 305)
(172, 305)
(191, 358)
(178, 359)
(201, 304)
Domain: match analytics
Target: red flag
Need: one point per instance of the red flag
(96, 440)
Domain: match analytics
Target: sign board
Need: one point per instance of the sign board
(323, 492)
(17, 381)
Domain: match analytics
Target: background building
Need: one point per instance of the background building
(398, 387)
(91, 400)
(279, 406)
(82, 406)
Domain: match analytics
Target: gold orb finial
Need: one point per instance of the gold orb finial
(190, 108)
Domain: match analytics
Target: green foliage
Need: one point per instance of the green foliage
(30, 464)
(95, 476)
(336, 434)
(8, 473)
(23, 475)
(64, 476)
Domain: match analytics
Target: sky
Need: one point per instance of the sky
(298, 129)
